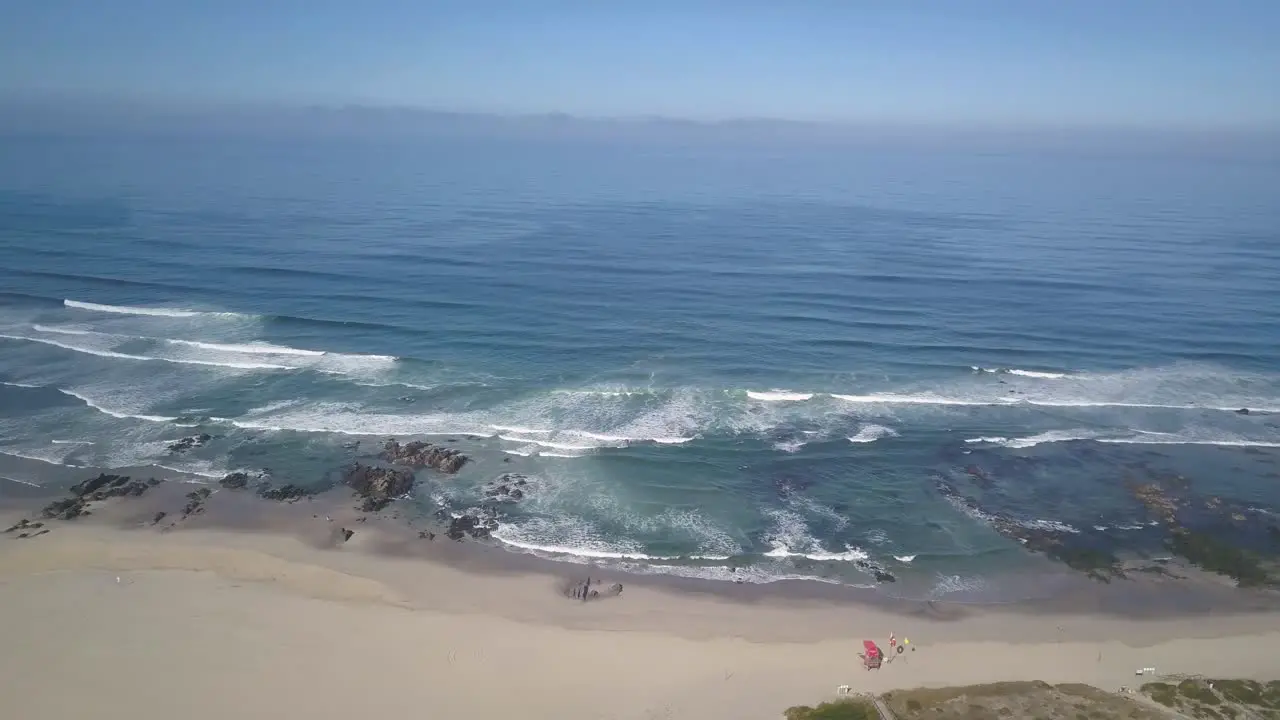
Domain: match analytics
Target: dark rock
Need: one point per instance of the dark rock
(378, 486)
(24, 524)
(187, 443)
(285, 493)
(195, 502)
(419, 454)
(154, 481)
(1242, 411)
(158, 517)
(66, 509)
(98, 484)
(235, 481)
(346, 534)
(506, 488)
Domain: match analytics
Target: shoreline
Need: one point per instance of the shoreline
(390, 536)
(1194, 594)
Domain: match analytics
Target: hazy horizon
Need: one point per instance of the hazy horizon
(989, 63)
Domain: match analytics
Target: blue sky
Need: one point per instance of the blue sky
(1004, 62)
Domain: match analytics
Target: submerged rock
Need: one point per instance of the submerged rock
(1209, 552)
(508, 487)
(418, 454)
(377, 485)
(478, 524)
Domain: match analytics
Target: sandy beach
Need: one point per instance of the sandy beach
(111, 618)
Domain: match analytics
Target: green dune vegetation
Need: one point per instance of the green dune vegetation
(1199, 698)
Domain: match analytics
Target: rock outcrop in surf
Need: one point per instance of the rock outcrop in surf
(419, 454)
(189, 443)
(378, 486)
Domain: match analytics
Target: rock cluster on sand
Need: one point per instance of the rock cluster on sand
(27, 529)
(187, 443)
(92, 490)
(284, 493)
(419, 454)
(195, 502)
(589, 589)
(377, 485)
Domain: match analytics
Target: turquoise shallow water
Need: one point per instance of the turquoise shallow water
(724, 362)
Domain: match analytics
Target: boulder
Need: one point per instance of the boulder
(346, 534)
(235, 481)
(420, 454)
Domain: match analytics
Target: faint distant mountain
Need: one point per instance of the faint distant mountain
(50, 115)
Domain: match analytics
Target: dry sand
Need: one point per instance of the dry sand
(101, 621)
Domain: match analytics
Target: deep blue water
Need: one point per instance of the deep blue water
(733, 357)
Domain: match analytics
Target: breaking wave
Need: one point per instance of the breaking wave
(130, 310)
(1041, 374)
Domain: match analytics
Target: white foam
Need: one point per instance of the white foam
(568, 537)
(71, 442)
(779, 396)
(522, 452)
(22, 385)
(1140, 438)
(114, 413)
(211, 474)
(925, 399)
(520, 430)
(37, 458)
(948, 584)
(904, 558)
(850, 554)
(871, 433)
(789, 446)
(130, 310)
(545, 443)
(790, 537)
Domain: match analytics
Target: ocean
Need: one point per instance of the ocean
(733, 362)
